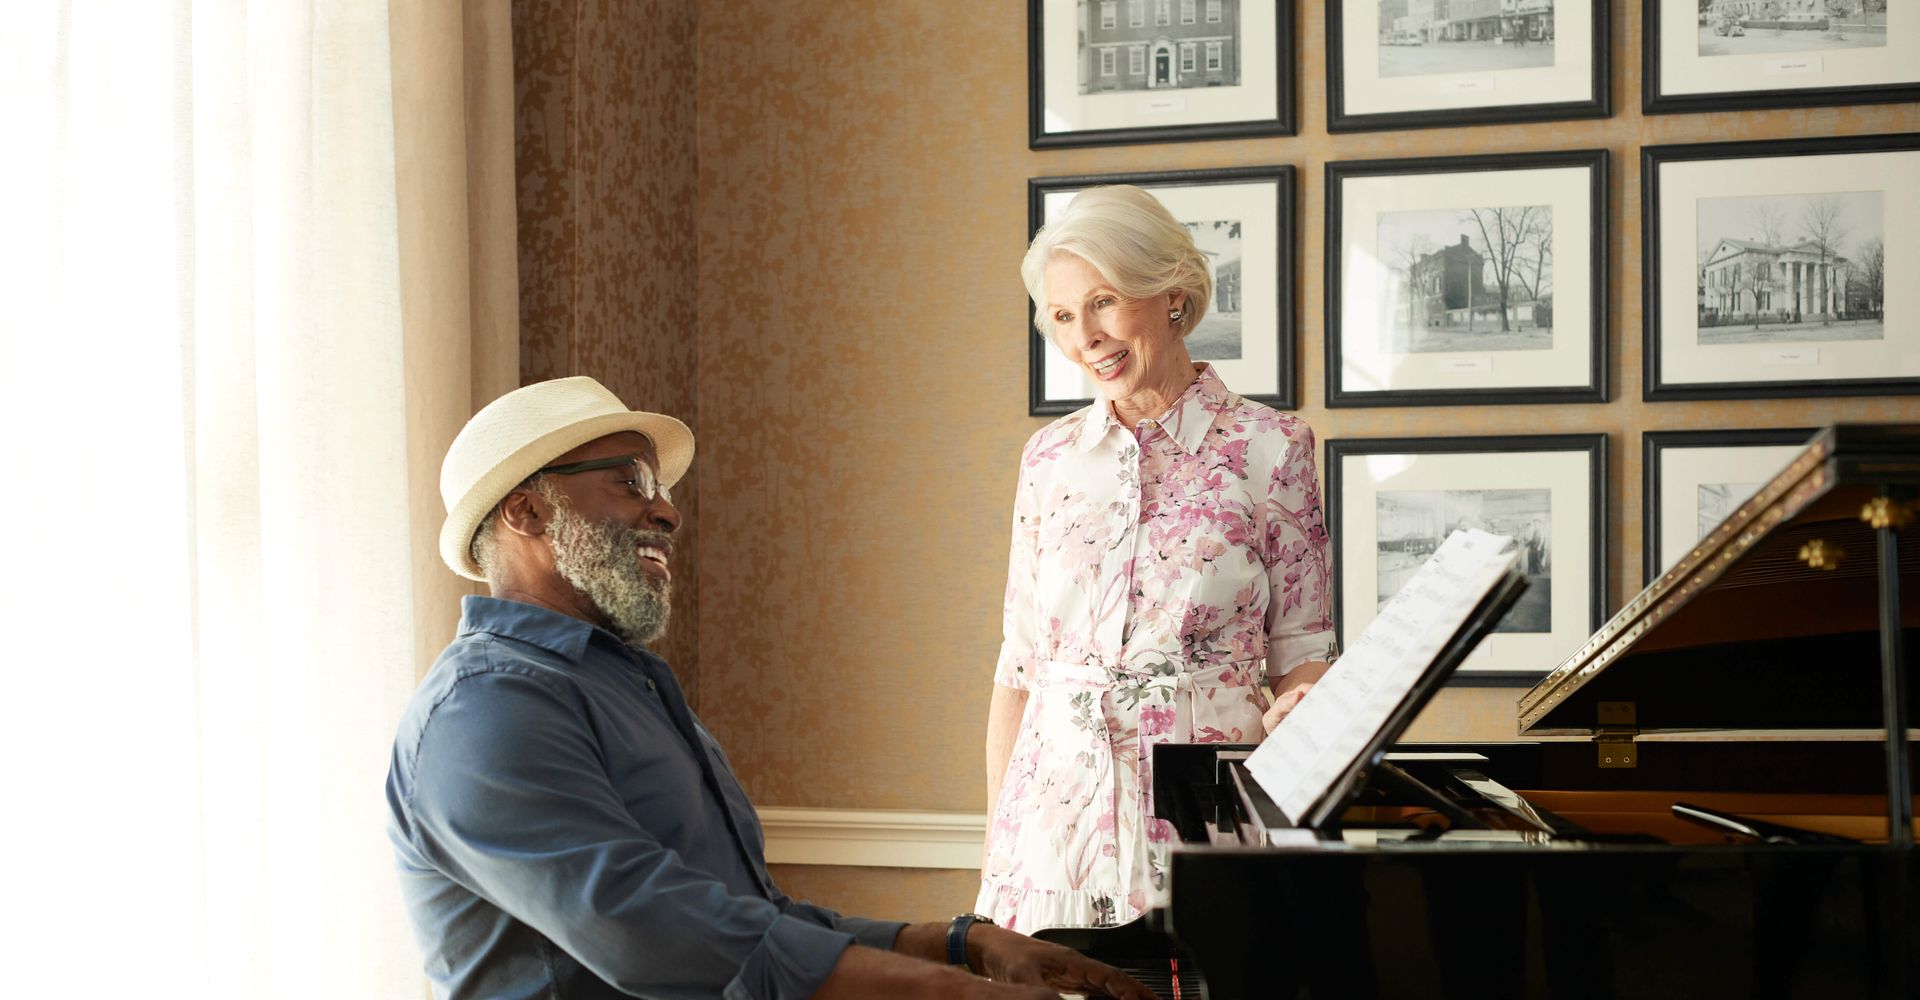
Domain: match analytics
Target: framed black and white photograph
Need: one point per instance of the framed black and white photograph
(1242, 218)
(1767, 263)
(1392, 501)
(1107, 72)
(1396, 64)
(1472, 279)
(1725, 55)
(1693, 480)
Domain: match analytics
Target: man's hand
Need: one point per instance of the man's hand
(1011, 957)
(1293, 687)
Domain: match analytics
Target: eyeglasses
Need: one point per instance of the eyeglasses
(641, 480)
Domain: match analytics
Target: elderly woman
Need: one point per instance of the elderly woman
(1169, 564)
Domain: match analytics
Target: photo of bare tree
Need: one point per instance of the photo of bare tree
(1750, 27)
(1791, 268)
(1471, 279)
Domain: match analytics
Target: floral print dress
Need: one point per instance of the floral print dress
(1158, 575)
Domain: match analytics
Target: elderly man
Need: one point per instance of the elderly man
(564, 825)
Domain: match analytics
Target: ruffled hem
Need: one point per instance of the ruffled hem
(1027, 910)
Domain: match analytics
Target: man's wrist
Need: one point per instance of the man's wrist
(962, 946)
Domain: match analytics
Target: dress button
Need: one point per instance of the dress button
(652, 686)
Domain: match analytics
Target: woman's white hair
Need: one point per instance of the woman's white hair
(1133, 241)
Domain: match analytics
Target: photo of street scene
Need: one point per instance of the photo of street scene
(1217, 338)
(1791, 268)
(1717, 501)
(1423, 37)
(1470, 279)
(1756, 27)
(1413, 523)
(1158, 44)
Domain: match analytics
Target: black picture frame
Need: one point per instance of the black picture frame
(1283, 123)
(1598, 104)
(1589, 448)
(1286, 380)
(1340, 173)
(1656, 101)
(1654, 445)
(1656, 384)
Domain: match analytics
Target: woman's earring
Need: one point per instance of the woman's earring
(1174, 315)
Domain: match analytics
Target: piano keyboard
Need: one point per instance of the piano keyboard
(1167, 984)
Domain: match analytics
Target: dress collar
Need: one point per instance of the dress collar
(1186, 421)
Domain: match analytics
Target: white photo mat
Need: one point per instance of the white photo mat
(1683, 470)
(1681, 185)
(1684, 72)
(1365, 91)
(1368, 365)
(1256, 206)
(1065, 110)
(1363, 477)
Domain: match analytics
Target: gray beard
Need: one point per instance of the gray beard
(602, 562)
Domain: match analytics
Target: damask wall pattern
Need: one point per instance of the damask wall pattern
(604, 136)
(830, 276)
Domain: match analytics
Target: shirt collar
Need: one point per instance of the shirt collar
(562, 635)
(1186, 421)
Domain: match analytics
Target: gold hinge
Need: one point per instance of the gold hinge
(1613, 737)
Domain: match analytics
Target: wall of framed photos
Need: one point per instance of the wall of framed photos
(859, 354)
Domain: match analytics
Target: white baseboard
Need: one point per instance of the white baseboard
(876, 838)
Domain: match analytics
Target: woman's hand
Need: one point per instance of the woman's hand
(1293, 687)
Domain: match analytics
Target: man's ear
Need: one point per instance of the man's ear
(524, 512)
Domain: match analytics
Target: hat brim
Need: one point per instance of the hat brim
(673, 450)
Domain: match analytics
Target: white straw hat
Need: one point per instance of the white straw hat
(515, 435)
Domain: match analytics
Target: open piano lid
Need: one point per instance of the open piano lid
(1744, 634)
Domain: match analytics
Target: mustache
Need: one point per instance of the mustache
(636, 537)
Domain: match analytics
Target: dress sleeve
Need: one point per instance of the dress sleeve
(509, 799)
(1020, 646)
(1298, 562)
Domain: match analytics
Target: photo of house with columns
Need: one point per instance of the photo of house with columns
(1791, 268)
(1745, 278)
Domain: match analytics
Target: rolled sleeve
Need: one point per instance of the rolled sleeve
(792, 960)
(510, 799)
(1296, 554)
(871, 933)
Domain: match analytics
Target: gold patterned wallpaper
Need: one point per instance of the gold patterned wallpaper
(604, 150)
(852, 328)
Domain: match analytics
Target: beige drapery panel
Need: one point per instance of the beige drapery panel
(259, 269)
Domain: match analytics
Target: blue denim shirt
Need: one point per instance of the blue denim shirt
(565, 828)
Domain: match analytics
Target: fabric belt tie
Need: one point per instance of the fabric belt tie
(1180, 689)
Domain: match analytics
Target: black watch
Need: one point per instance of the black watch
(957, 937)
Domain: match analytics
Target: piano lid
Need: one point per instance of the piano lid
(1771, 622)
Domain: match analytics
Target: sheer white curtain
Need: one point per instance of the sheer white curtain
(219, 435)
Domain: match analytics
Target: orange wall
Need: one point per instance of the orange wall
(851, 349)
(604, 151)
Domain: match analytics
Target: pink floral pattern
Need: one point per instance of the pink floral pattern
(1158, 576)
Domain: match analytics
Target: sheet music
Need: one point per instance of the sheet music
(1315, 745)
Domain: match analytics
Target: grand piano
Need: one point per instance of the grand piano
(1711, 798)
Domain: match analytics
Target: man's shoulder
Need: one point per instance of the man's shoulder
(476, 658)
(495, 675)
